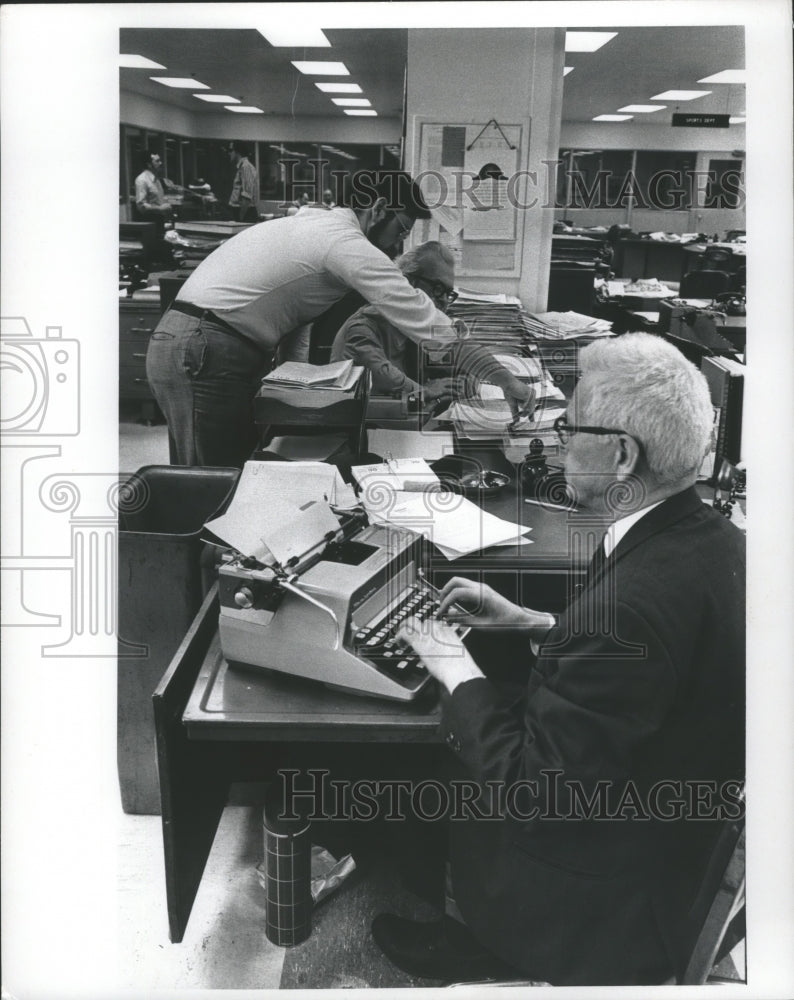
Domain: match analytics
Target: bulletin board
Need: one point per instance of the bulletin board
(470, 175)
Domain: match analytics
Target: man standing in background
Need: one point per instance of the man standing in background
(245, 189)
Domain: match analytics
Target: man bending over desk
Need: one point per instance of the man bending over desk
(633, 707)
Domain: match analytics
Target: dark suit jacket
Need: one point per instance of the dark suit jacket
(641, 682)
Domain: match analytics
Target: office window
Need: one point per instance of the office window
(725, 187)
(664, 180)
(596, 178)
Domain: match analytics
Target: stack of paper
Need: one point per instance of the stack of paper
(455, 525)
(339, 375)
(569, 325)
(646, 288)
(273, 509)
(396, 474)
(490, 418)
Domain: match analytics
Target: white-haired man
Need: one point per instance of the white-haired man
(392, 358)
(628, 741)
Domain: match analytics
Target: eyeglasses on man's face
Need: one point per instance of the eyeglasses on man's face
(565, 431)
(440, 291)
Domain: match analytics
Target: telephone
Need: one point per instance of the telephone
(732, 304)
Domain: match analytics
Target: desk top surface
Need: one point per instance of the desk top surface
(245, 703)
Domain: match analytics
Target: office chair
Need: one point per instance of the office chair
(715, 923)
(739, 281)
(704, 284)
(571, 287)
(715, 258)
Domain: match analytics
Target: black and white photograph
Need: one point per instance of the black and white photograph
(396, 553)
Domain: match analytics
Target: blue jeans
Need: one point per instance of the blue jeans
(204, 380)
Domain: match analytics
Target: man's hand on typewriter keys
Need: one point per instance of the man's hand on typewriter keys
(441, 649)
(465, 602)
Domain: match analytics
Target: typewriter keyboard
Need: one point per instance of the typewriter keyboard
(377, 640)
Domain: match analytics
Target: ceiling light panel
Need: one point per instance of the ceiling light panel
(138, 62)
(339, 88)
(217, 98)
(726, 76)
(244, 109)
(181, 83)
(295, 36)
(643, 109)
(587, 41)
(351, 102)
(321, 68)
(360, 111)
(613, 118)
(680, 95)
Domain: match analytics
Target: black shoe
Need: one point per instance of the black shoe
(443, 949)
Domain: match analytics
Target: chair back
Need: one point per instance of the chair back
(715, 257)
(718, 904)
(704, 284)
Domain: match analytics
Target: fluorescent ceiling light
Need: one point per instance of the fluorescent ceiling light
(217, 98)
(321, 68)
(736, 121)
(680, 95)
(351, 102)
(360, 112)
(643, 109)
(138, 62)
(244, 109)
(587, 41)
(185, 83)
(567, 70)
(286, 152)
(295, 36)
(726, 76)
(339, 88)
(612, 118)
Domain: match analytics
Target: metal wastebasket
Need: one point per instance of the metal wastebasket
(161, 583)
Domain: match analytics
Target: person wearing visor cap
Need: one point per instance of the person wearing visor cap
(251, 301)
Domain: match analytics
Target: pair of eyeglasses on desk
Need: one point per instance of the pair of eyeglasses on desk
(564, 430)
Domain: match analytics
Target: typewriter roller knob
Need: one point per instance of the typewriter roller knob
(244, 598)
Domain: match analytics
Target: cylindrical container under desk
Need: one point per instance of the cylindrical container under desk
(288, 918)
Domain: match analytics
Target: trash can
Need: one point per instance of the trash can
(161, 583)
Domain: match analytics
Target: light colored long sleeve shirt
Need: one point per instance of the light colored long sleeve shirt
(149, 194)
(272, 279)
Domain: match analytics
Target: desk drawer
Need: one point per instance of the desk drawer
(133, 383)
(133, 352)
(137, 322)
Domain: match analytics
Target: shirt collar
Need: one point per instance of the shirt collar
(618, 529)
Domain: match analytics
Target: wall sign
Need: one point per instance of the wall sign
(701, 121)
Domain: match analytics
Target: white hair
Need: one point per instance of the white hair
(427, 258)
(643, 385)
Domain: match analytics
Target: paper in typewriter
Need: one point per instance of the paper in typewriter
(282, 509)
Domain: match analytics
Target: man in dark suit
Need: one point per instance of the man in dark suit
(626, 746)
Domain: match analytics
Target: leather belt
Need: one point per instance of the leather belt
(189, 309)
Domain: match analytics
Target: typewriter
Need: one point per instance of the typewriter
(332, 613)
